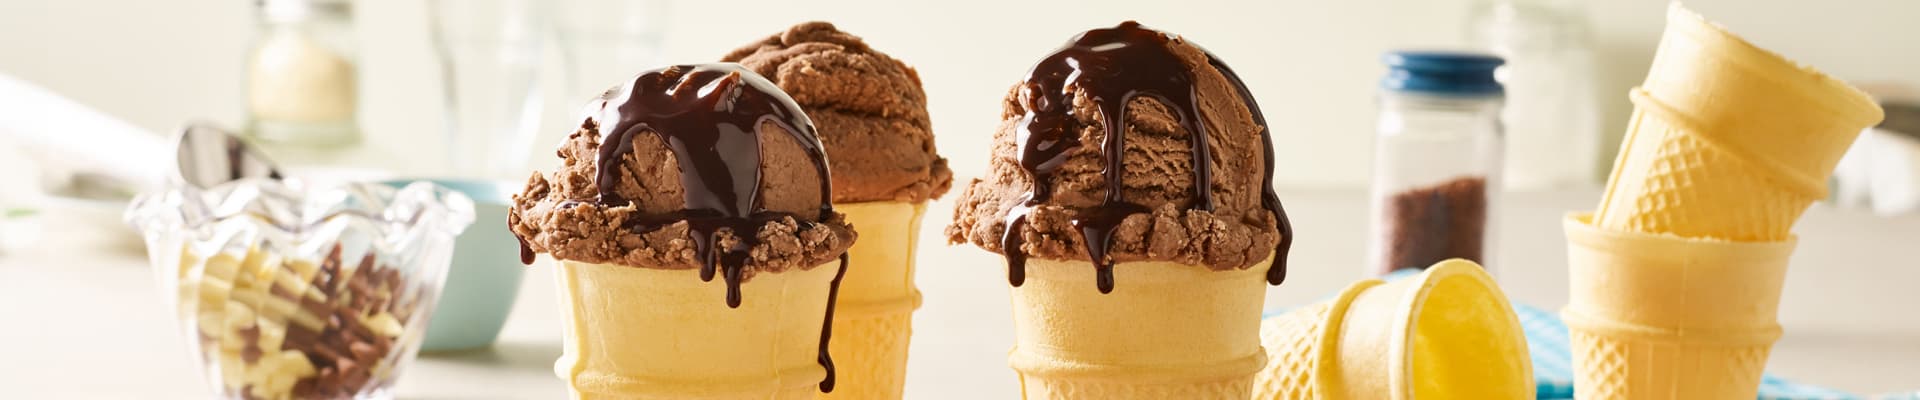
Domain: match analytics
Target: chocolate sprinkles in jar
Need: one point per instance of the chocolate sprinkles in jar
(1437, 160)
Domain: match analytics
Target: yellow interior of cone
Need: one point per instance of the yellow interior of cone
(1466, 347)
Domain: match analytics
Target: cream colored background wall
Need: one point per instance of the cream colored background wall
(1313, 64)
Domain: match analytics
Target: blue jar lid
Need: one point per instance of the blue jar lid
(1441, 72)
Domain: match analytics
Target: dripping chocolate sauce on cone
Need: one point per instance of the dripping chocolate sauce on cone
(526, 252)
(1114, 66)
(709, 117)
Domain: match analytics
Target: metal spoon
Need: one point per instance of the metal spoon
(209, 156)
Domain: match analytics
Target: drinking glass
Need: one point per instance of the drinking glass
(604, 41)
(489, 54)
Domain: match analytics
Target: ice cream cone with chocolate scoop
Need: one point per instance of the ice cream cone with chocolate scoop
(1676, 277)
(707, 269)
(1130, 191)
(1447, 333)
(871, 114)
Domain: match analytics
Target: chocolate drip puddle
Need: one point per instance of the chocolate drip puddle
(1113, 66)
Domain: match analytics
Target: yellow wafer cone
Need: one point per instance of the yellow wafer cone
(1666, 317)
(1167, 331)
(1448, 333)
(1728, 140)
(874, 318)
(1291, 341)
(643, 333)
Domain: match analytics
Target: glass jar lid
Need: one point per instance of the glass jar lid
(1442, 73)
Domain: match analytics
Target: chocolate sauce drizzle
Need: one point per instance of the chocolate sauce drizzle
(1113, 66)
(526, 252)
(826, 327)
(709, 116)
(1268, 199)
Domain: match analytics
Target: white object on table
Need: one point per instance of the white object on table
(74, 137)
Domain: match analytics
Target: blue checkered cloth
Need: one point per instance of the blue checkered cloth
(1553, 359)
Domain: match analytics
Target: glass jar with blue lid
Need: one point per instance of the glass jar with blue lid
(1437, 159)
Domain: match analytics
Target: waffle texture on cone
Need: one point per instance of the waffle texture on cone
(1662, 316)
(1448, 333)
(1728, 140)
(657, 333)
(1145, 340)
(873, 320)
(1290, 340)
(870, 356)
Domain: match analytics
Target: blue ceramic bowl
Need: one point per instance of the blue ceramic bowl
(484, 279)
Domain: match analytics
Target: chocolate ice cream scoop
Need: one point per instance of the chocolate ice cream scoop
(692, 166)
(869, 109)
(1128, 144)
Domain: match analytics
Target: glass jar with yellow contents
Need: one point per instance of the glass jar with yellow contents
(303, 74)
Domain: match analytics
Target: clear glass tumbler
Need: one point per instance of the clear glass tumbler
(287, 291)
(490, 60)
(605, 41)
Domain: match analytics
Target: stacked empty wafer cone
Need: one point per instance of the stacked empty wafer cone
(1676, 277)
(873, 317)
(1447, 333)
(1728, 141)
(1167, 331)
(648, 333)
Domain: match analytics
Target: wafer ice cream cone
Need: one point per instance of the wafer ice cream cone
(1665, 317)
(1727, 140)
(1448, 333)
(1676, 277)
(1131, 192)
(1172, 332)
(874, 318)
(871, 114)
(645, 333)
(696, 259)
(1292, 341)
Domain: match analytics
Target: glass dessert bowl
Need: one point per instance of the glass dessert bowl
(291, 291)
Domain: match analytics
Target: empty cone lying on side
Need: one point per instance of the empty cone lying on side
(1447, 333)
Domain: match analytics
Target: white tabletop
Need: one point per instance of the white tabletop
(82, 321)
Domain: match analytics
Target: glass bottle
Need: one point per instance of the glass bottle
(303, 74)
(1553, 122)
(1437, 160)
